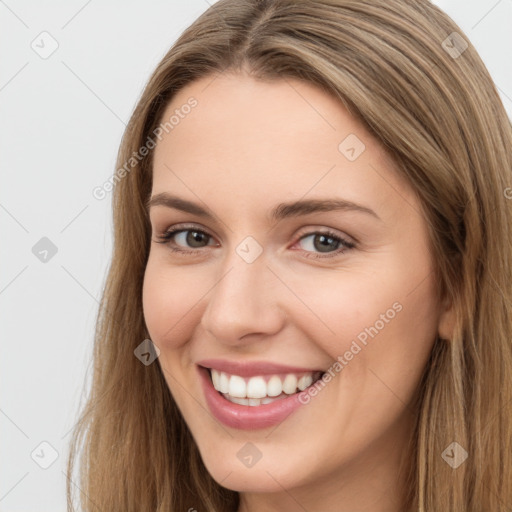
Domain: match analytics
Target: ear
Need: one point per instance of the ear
(446, 323)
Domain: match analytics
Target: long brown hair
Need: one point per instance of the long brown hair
(425, 94)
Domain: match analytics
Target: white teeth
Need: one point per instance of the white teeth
(237, 387)
(240, 401)
(258, 390)
(251, 401)
(274, 386)
(216, 380)
(256, 387)
(290, 384)
(304, 382)
(223, 382)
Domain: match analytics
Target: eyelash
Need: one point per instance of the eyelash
(166, 238)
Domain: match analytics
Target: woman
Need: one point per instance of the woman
(243, 364)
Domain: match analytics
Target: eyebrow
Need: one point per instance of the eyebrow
(279, 212)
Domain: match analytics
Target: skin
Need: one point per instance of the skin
(247, 146)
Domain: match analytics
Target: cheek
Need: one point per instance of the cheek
(340, 307)
(168, 299)
(371, 318)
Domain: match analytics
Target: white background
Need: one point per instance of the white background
(61, 122)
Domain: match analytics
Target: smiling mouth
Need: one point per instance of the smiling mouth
(261, 389)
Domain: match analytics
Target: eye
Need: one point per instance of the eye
(317, 244)
(325, 242)
(180, 237)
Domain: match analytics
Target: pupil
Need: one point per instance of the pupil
(194, 237)
(325, 241)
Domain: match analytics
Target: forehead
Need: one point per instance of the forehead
(278, 115)
(251, 142)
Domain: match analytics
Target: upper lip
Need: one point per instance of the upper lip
(252, 368)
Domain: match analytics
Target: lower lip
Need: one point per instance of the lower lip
(246, 417)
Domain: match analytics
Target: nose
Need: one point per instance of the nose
(244, 305)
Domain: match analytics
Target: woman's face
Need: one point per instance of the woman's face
(258, 275)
